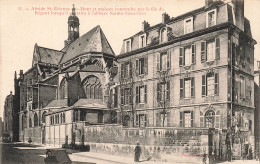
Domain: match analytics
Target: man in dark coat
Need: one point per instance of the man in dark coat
(138, 152)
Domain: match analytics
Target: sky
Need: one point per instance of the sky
(23, 23)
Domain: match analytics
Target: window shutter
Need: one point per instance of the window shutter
(137, 67)
(115, 97)
(137, 94)
(168, 90)
(169, 59)
(192, 87)
(130, 69)
(193, 53)
(158, 62)
(131, 95)
(216, 88)
(234, 53)
(122, 97)
(217, 48)
(137, 120)
(191, 121)
(203, 85)
(159, 92)
(181, 119)
(181, 57)
(181, 88)
(145, 94)
(203, 51)
(122, 71)
(157, 119)
(146, 65)
(168, 119)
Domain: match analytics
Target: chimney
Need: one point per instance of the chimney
(208, 3)
(165, 18)
(146, 25)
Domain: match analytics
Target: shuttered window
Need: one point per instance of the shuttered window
(217, 42)
(168, 90)
(181, 56)
(159, 92)
(181, 88)
(193, 53)
(203, 51)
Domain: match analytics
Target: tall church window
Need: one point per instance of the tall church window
(93, 88)
(43, 116)
(63, 90)
(35, 120)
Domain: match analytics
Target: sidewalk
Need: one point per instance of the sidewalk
(128, 160)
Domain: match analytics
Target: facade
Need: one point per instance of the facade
(257, 106)
(193, 71)
(11, 117)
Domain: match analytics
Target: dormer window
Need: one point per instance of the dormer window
(163, 35)
(127, 45)
(188, 25)
(142, 41)
(211, 18)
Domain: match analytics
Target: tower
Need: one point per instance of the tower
(73, 27)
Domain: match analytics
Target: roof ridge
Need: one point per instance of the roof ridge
(50, 49)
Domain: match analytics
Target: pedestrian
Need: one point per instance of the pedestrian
(204, 158)
(138, 152)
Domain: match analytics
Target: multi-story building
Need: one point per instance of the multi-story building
(257, 106)
(11, 121)
(193, 71)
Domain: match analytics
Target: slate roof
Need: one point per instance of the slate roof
(57, 103)
(90, 104)
(92, 41)
(49, 56)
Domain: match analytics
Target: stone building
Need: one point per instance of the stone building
(257, 106)
(67, 86)
(11, 117)
(190, 73)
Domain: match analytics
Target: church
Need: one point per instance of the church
(68, 85)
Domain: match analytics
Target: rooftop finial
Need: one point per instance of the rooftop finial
(73, 10)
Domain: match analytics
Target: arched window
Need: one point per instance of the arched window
(210, 119)
(35, 120)
(63, 89)
(30, 122)
(93, 88)
(43, 116)
(163, 35)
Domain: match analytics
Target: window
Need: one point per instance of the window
(187, 55)
(30, 122)
(126, 96)
(210, 50)
(163, 60)
(141, 120)
(188, 25)
(164, 35)
(141, 66)
(141, 94)
(160, 117)
(35, 120)
(163, 89)
(142, 41)
(126, 70)
(210, 84)
(115, 90)
(63, 89)
(93, 88)
(242, 87)
(64, 118)
(187, 87)
(186, 119)
(128, 46)
(211, 18)
(210, 119)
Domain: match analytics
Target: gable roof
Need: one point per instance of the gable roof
(46, 55)
(92, 41)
